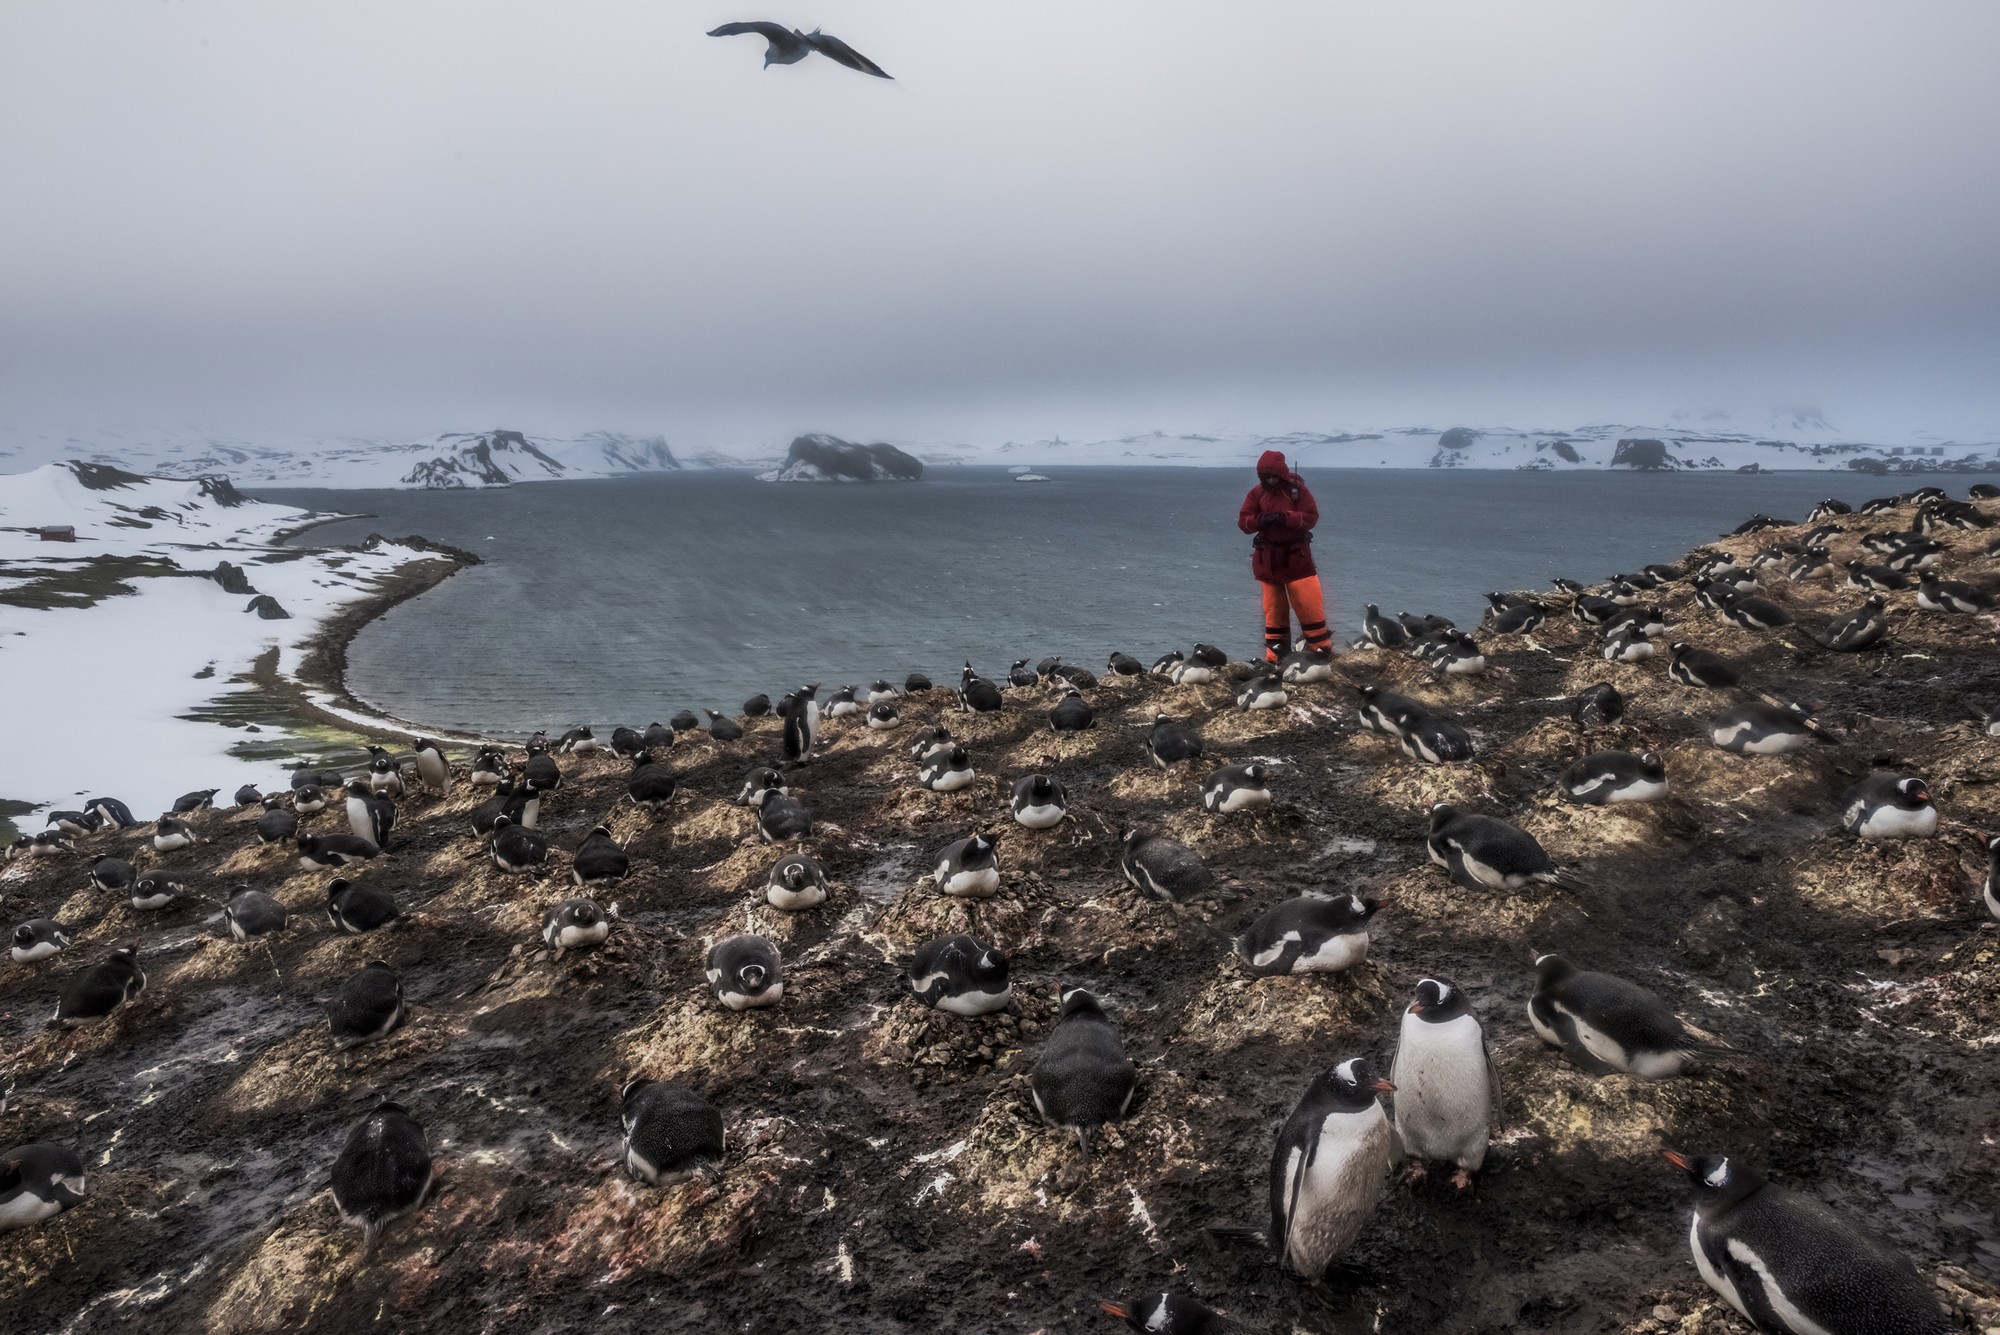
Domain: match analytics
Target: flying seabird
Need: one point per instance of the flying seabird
(788, 46)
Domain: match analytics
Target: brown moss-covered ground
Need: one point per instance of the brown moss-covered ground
(886, 1170)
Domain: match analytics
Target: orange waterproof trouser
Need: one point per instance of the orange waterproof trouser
(1280, 602)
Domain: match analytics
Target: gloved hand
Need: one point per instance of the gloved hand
(1270, 517)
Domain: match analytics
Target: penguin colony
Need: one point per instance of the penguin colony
(1065, 830)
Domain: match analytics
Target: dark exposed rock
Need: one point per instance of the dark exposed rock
(823, 458)
(265, 606)
(1457, 438)
(232, 579)
(220, 490)
(1647, 455)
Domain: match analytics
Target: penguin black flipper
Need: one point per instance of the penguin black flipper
(1563, 1025)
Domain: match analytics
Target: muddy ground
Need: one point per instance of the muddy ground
(886, 1170)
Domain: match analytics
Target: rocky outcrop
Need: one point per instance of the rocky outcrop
(488, 459)
(232, 579)
(265, 606)
(1457, 438)
(221, 490)
(1646, 455)
(822, 458)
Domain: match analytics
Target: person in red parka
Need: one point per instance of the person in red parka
(1280, 513)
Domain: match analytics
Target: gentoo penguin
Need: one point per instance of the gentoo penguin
(80, 823)
(369, 816)
(1592, 610)
(916, 683)
(969, 868)
(1208, 656)
(39, 939)
(722, 728)
(156, 889)
(102, 988)
(882, 690)
(1597, 706)
(1328, 1168)
(1434, 740)
(684, 720)
(1383, 632)
(627, 742)
(1310, 934)
(1875, 579)
(759, 784)
(1072, 675)
(1753, 613)
(1421, 626)
(1792, 1266)
(112, 875)
(1990, 895)
(541, 774)
(433, 767)
(1566, 586)
(1020, 674)
(1168, 1314)
(1082, 1079)
(1164, 665)
(516, 847)
(1605, 1024)
(253, 913)
(579, 740)
(170, 834)
(114, 813)
(277, 825)
(1386, 712)
(946, 769)
(1758, 729)
(1828, 509)
(1605, 777)
(884, 714)
(49, 841)
(659, 738)
(575, 924)
(1124, 665)
(651, 785)
(757, 706)
(1628, 645)
(1913, 554)
(1236, 788)
(672, 1134)
(781, 817)
(1880, 505)
(976, 694)
(1040, 801)
(1072, 713)
(1306, 665)
(599, 859)
(385, 776)
(1889, 806)
(1811, 563)
(801, 725)
(516, 804)
(247, 796)
(1445, 1082)
(1521, 618)
(384, 1171)
(37, 1183)
(355, 908)
(1266, 690)
(796, 882)
(1169, 743)
(1700, 668)
(1949, 595)
(367, 1006)
(842, 703)
(204, 800)
(309, 800)
(744, 971)
(960, 975)
(1484, 853)
(1455, 654)
(1190, 672)
(1860, 629)
(1157, 865)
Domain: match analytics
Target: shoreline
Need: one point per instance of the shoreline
(285, 535)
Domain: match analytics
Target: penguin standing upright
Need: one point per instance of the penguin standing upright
(1310, 934)
(1792, 1266)
(1445, 1081)
(1328, 1168)
(383, 1171)
(802, 725)
(433, 768)
(1082, 1078)
(1605, 1024)
(671, 1133)
(369, 816)
(37, 1183)
(960, 975)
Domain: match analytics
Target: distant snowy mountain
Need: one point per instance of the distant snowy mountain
(822, 458)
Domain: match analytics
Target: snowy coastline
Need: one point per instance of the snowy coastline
(111, 640)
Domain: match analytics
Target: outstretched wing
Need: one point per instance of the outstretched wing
(773, 32)
(845, 54)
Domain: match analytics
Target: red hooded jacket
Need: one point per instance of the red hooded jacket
(1282, 551)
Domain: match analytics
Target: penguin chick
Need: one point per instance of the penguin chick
(1082, 1079)
(672, 1134)
(1445, 1081)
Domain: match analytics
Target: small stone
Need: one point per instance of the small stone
(1666, 1315)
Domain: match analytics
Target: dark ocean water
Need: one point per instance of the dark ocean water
(623, 600)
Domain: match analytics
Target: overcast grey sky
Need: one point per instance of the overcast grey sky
(415, 215)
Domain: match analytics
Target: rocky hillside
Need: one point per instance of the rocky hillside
(823, 458)
(500, 458)
(886, 1171)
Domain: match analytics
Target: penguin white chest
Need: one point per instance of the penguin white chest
(1343, 950)
(1039, 817)
(24, 1209)
(1241, 799)
(1336, 1192)
(1893, 822)
(1638, 790)
(1444, 1096)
